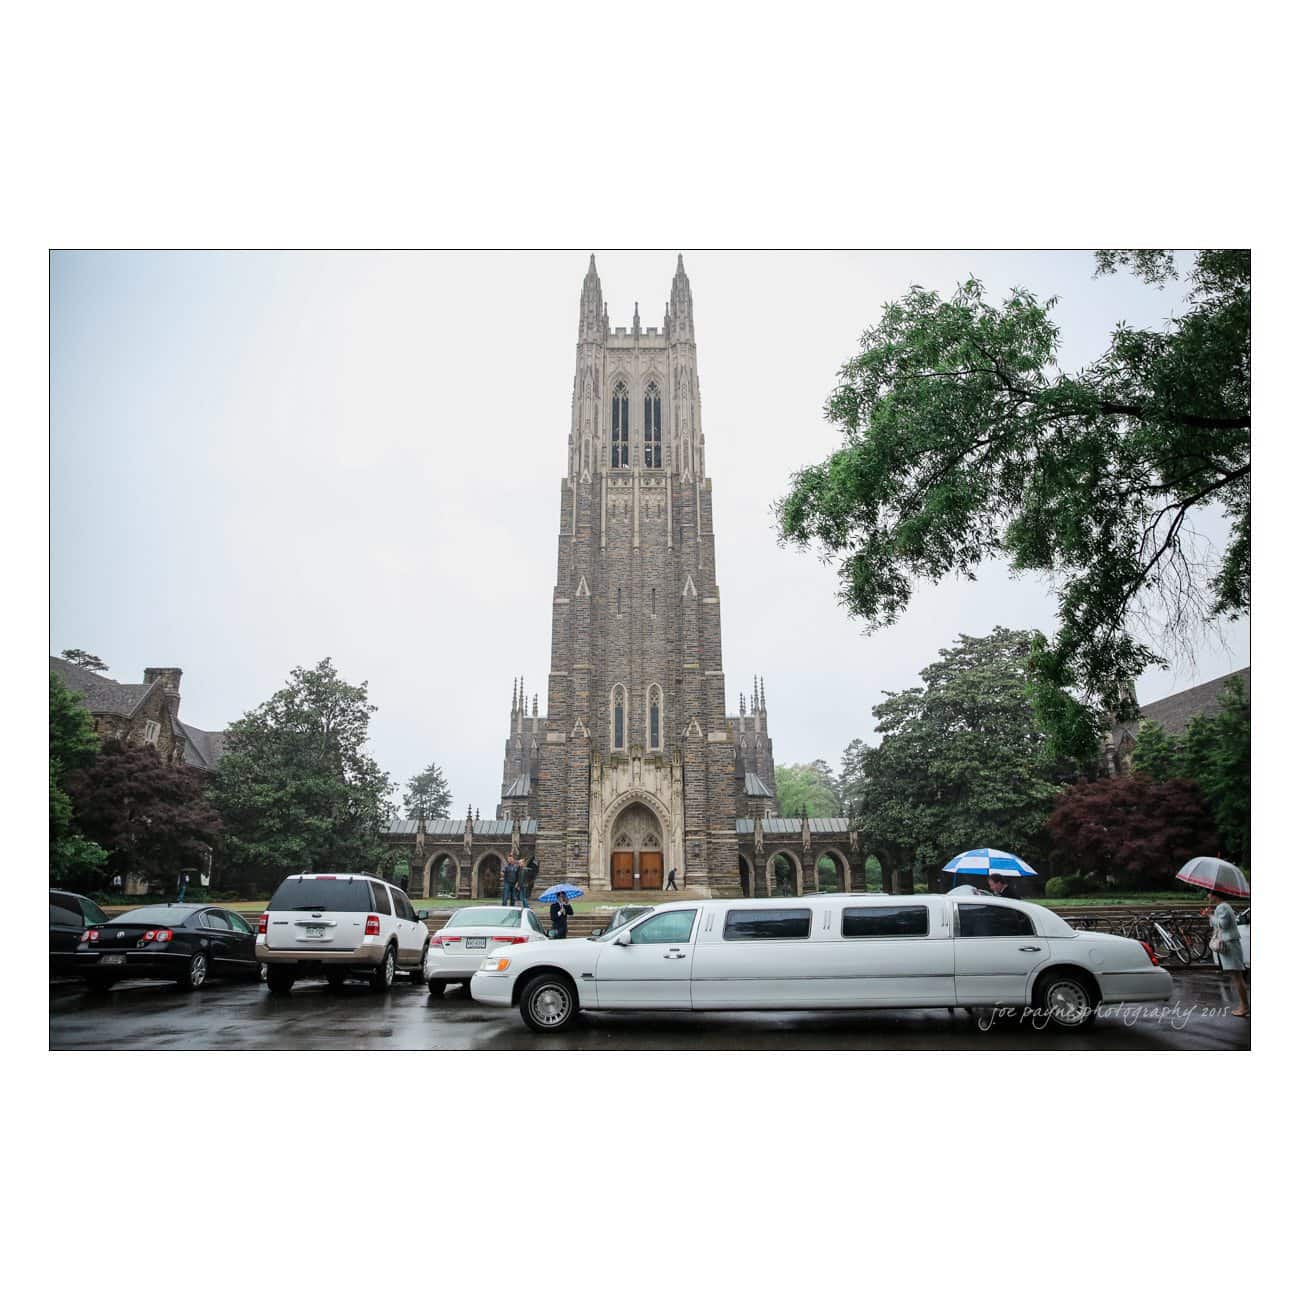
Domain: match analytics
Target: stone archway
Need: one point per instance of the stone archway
(746, 878)
(840, 864)
(486, 882)
(783, 875)
(441, 875)
(636, 858)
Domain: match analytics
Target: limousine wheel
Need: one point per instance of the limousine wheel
(1067, 999)
(548, 1003)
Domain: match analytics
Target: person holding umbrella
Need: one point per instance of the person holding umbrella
(1003, 887)
(1226, 945)
(561, 910)
(1222, 882)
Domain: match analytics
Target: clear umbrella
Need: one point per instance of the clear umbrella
(1215, 874)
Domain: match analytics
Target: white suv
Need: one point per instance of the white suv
(340, 926)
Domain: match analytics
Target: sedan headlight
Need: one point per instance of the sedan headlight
(495, 964)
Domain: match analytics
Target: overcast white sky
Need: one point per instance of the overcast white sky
(259, 460)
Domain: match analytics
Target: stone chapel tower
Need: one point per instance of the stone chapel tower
(633, 770)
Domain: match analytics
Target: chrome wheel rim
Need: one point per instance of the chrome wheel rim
(198, 969)
(551, 1005)
(1068, 1004)
(388, 967)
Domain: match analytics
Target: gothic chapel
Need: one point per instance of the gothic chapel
(636, 769)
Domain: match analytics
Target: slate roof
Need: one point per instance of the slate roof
(523, 784)
(101, 694)
(793, 825)
(203, 748)
(454, 828)
(1174, 712)
(756, 786)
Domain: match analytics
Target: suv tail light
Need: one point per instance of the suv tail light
(90, 936)
(261, 922)
(1151, 952)
(372, 924)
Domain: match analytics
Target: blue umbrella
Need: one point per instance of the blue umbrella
(552, 894)
(989, 862)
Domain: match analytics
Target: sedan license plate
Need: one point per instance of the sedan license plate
(475, 943)
(113, 961)
(315, 932)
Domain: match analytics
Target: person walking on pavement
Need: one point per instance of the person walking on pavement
(509, 881)
(672, 879)
(561, 910)
(528, 878)
(1226, 946)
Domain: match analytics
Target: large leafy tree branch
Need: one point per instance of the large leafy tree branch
(964, 441)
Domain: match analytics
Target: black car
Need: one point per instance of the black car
(70, 914)
(185, 942)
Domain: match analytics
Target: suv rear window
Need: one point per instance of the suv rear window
(296, 895)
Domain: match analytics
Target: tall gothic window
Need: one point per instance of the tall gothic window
(655, 698)
(654, 454)
(618, 427)
(618, 717)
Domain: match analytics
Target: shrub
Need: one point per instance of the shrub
(1058, 887)
(1070, 887)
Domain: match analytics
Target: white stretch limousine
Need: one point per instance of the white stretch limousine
(826, 951)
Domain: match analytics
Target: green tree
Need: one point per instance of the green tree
(84, 659)
(1214, 752)
(1157, 754)
(74, 859)
(964, 441)
(1217, 748)
(962, 763)
(295, 788)
(153, 817)
(428, 794)
(806, 785)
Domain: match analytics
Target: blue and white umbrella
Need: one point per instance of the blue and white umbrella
(552, 895)
(989, 862)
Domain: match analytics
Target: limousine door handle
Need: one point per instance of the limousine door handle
(1031, 948)
(674, 956)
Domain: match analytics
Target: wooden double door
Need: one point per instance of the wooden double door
(636, 870)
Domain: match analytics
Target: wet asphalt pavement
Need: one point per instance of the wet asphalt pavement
(243, 1016)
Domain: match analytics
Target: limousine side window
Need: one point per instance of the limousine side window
(984, 921)
(885, 922)
(766, 923)
(667, 927)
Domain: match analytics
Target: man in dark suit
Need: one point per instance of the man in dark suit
(561, 910)
(1003, 887)
(528, 878)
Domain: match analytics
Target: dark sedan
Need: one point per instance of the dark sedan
(188, 943)
(70, 914)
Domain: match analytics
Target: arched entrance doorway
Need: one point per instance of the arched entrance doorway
(832, 874)
(487, 877)
(783, 876)
(443, 876)
(636, 859)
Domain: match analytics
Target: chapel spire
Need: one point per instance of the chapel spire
(591, 313)
(680, 307)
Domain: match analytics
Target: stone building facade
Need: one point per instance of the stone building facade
(143, 713)
(1173, 713)
(636, 768)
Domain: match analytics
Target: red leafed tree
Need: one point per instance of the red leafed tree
(1129, 831)
(153, 818)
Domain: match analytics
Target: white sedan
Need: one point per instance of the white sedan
(827, 951)
(458, 949)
